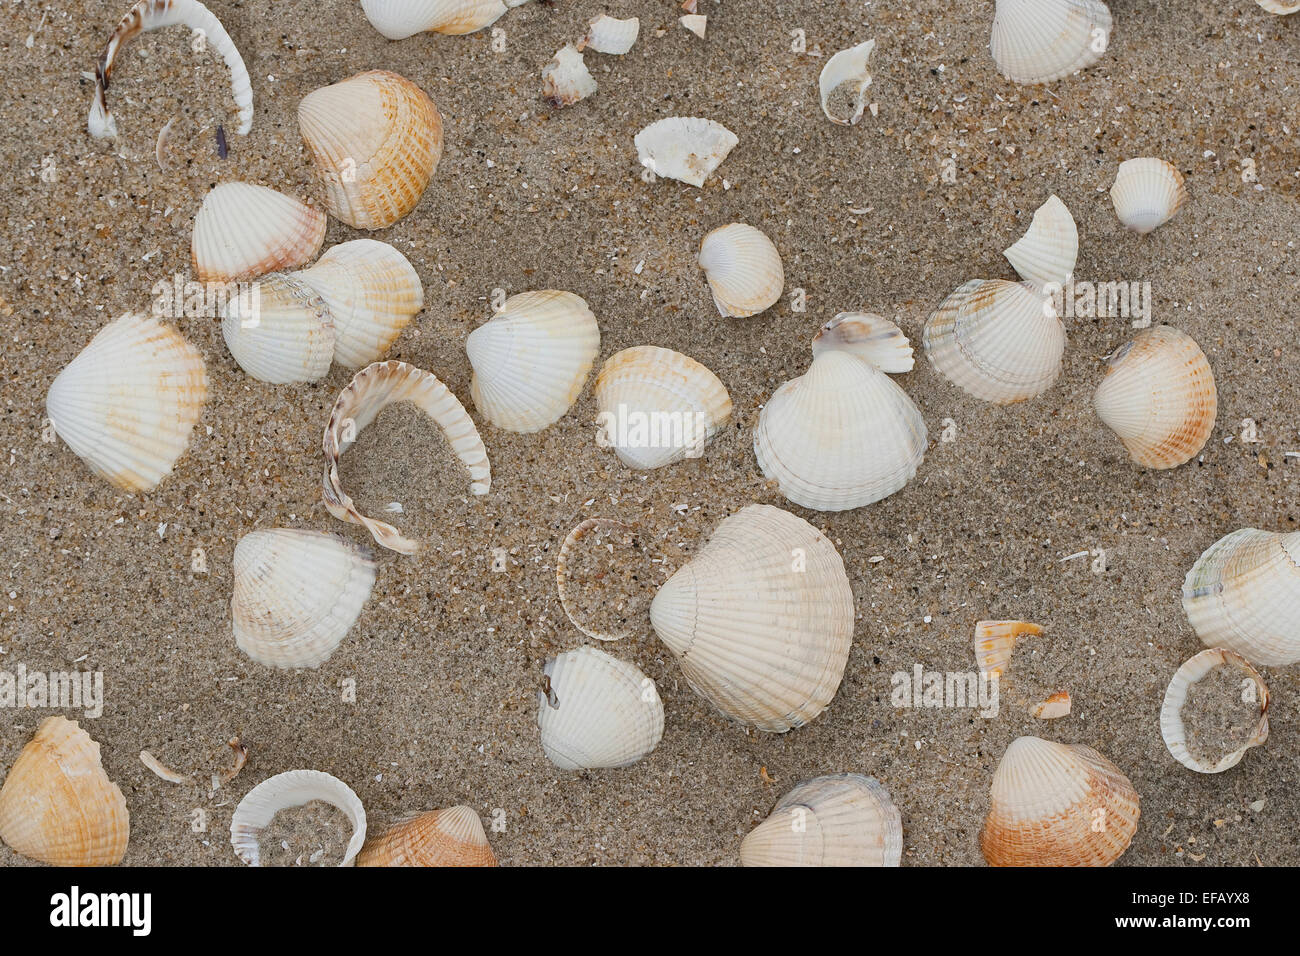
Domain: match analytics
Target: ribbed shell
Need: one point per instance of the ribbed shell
(999, 341)
(1171, 719)
(1159, 397)
(844, 819)
(243, 231)
(995, 642)
(761, 619)
(607, 34)
(1038, 41)
(399, 19)
(870, 337)
(58, 806)
(128, 402)
(1046, 254)
(743, 268)
(297, 594)
(375, 139)
(280, 331)
(294, 788)
(451, 837)
(1243, 594)
(566, 79)
(1147, 193)
(843, 84)
(600, 711)
(685, 148)
(1058, 805)
(531, 359)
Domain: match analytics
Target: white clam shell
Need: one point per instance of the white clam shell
(870, 337)
(1243, 594)
(566, 79)
(297, 594)
(600, 711)
(1171, 720)
(399, 19)
(761, 619)
(999, 341)
(685, 148)
(1046, 254)
(295, 788)
(1147, 193)
(279, 331)
(127, 403)
(743, 268)
(845, 819)
(1038, 41)
(1280, 7)
(532, 358)
(243, 231)
(608, 34)
(843, 84)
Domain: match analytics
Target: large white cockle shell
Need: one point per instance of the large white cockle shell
(243, 231)
(279, 331)
(743, 269)
(685, 148)
(1171, 719)
(845, 819)
(1038, 41)
(1046, 254)
(1147, 193)
(606, 34)
(843, 84)
(399, 19)
(294, 788)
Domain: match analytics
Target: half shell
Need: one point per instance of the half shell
(399, 19)
(841, 820)
(743, 268)
(1147, 193)
(1171, 711)
(843, 84)
(1038, 41)
(244, 231)
(566, 79)
(684, 148)
(280, 331)
(295, 788)
(1046, 254)
(608, 34)
(451, 837)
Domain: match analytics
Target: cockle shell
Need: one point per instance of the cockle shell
(743, 268)
(657, 406)
(607, 34)
(154, 15)
(1038, 41)
(1046, 254)
(294, 788)
(1280, 6)
(372, 390)
(1147, 193)
(399, 19)
(566, 79)
(597, 711)
(1159, 397)
(684, 148)
(1055, 706)
(761, 619)
(1058, 805)
(451, 837)
(375, 140)
(297, 594)
(995, 642)
(842, 435)
(243, 231)
(844, 819)
(58, 806)
(128, 402)
(843, 84)
(870, 337)
(1171, 719)
(531, 359)
(279, 331)
(999, 341)
(1243, 594)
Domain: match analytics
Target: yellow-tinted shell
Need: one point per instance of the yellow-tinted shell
(451, 837)
(995, 641)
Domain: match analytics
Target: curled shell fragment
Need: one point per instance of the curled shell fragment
(450, 837)
(1243, 685)
(843, 84)
(845, 819)
(607, 34)
(743, 269)
(1046, 254)
(285, 791)
(1038, 41)
(566, 79)
(995, 642)
(1147, 193)
(1055, 706)
(606, 537)
(243, 231)
(684, 148)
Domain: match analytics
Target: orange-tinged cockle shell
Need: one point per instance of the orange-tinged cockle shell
(243, 231)
(995, 641)
(450, 837)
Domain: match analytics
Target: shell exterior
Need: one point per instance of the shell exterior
(1171, 720)
(697, 23)
(841, 820)
(685, 148)
(1056, 706)
(995, 642)
(1159, 397)
(1243, 594)
(1046, 254)
(280, 331)
(399, 19)
(58, 806)
(870, 337)
(371, 292)
(451, 837)
(761, 619)
(243, 231)
(599, 712)
(1147, 193)
(608, 34)
(294, 788)
(743, 268)
(372, 390)
(532, 358)
(999, 341)
(1038, 41)
(1280, 7)
(1058, 805)
(843, 84)
(297, 594)
(128, 402)
(375, 140)
(681, 403)
(566, 79)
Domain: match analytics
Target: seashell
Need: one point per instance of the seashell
(1038, 41)
(633, 581)
(372, 390)
(375, 140)
(451, 837)
(244, 231)
(1171, 711)
(154, 15)
(843, 84)
(371, 292)
(1243, 594)
(566, 79)
(1159, 397)
(743, 268)
(279, 331)
(531, 359)
(842, 435)
(399, 19)
(998, 341)
(1281, 7)
(58, 806)
(995, 642)
(297, 594)
(1147, 193)
(608, 34)
(657, 406)
(697, 23)
(870, 337)
(1046, 254)
(597, 711)
(128, 402)
(1058, 805)
(684, 148)
(1058, 705)
(844, 819)
(294, 788)
(761, 619)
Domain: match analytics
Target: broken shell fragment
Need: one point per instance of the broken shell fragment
(399, 19)
(566, 79)
(1038, 41)
(279, 331)
(451, 837)
(1147, 193)
(743, 269)
(1046, 254)
(697, 23)
(1280, 7)
(845, 819)
(608, 34)
(243, 231)
(843, 84)
(1058, 705)
(609, 539)
(684, 148)
(1214, 745)
(284, 791)
(995, 642)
